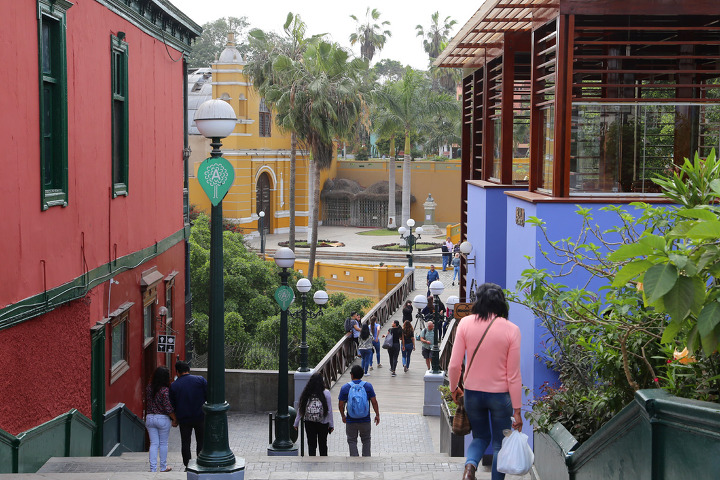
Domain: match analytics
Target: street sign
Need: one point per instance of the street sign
(462, 310)
(166, 343)
(284, 296)
(216, 176)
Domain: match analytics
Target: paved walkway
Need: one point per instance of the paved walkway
(404, 446)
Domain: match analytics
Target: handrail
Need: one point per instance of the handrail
(342, 355)
(447, 343)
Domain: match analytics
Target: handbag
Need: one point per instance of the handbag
(461, 422)
(388, 343)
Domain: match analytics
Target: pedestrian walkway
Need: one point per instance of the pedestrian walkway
(405, 445)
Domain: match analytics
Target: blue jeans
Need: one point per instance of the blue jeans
(406, 354)
(366, 354)
(446, 262)
(456, 273)
(158, 427)
(376, 346)
(489, 414)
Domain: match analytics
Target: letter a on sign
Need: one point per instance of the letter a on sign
(216, 176)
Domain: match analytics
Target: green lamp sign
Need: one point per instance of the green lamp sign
(284, 296)
(216, 176)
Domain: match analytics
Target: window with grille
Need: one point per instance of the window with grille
(265, 119)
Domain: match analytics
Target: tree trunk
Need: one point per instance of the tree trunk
(312, 166)
(293, 153)
(391, 187)
(314, 219)
(406, 181)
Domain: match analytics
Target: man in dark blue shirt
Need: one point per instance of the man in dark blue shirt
(432, 275)
(188, 394)
(355, 426)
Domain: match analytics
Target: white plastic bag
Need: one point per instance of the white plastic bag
(515, 456)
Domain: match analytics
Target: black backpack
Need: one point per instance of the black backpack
(348, 324)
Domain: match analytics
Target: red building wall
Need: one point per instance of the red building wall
(41, 250)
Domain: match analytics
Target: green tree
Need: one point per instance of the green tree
(435, 39)
(369, 34)
(213, 39)
(265, 48)
(388, 70)
(405, 106)
(321, 99)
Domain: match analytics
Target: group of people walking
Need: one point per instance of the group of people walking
(171, 405)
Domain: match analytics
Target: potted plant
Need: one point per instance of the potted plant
(453, 445)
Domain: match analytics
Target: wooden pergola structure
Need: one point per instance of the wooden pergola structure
(586, 98)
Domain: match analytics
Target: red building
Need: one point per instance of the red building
(93, 246)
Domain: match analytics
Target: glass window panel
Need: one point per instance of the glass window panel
(169, 302)
(119, 342)
(147, 321)
(46, 53)
(547, 148)
(497, 148)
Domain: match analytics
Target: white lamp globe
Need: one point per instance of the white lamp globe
(304, 285)
(451, 301)
(402, 231)
(437, 287)
(320, 297)
(419, 301)
(410, 222)
(466, 247)
(284, 257)
(261, 214)
(215, 119)
(419, 230)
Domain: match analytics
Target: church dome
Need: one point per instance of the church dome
(230, 54)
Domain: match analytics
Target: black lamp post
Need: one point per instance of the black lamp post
(436, 289)
(261, 222)
(215, 119)
(407, 235)
(320, 298)
(283, 445)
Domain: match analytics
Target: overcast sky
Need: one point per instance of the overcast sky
(333, 17)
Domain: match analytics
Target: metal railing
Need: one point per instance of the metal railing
(342, 355)
(447, 343)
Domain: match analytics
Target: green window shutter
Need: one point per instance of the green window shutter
(120, 115)
(53, 103)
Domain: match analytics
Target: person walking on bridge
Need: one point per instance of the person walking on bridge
(492, 382)
(407, 344)
(394, 350)
(357, 395)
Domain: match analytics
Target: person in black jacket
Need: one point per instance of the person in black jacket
(187, 395)
(394, 350)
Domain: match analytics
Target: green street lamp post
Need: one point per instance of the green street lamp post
(410, 239)
(283, 445)
(320, 298)
(436, 289)
(215, 119)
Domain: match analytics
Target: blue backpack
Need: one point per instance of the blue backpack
(358, 405)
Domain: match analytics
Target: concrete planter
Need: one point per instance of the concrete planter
(453, 445)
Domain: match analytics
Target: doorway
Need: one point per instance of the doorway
(262, 200)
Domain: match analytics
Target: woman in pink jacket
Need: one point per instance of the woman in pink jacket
(492, 383)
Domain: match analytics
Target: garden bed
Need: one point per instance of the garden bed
(395, 247)
(320, 243)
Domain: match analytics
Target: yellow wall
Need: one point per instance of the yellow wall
(355, 280)
(442, 179)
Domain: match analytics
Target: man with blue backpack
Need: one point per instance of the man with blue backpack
(357, 395)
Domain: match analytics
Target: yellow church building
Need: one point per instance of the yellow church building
(258, 150)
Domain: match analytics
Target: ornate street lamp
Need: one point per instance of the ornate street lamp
(410, 239)
(261, 221)
(436, 289)
(215, 119)
(320, 298)
(283, 445)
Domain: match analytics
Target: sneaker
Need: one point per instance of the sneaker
(393, 374)
(371, 367)
(453, 284)
(379, 365)
(405, 369)
(367, 374)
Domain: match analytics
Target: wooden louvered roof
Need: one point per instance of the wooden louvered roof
(482, 35)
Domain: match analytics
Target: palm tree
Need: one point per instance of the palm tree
(265, 48)
(408, 103)
(435, 35)
(322, 99)
(370, 35)
(385, 125)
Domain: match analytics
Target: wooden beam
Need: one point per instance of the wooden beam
(505, 20)
(527, 5)
(500, 30)
(479, 45)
